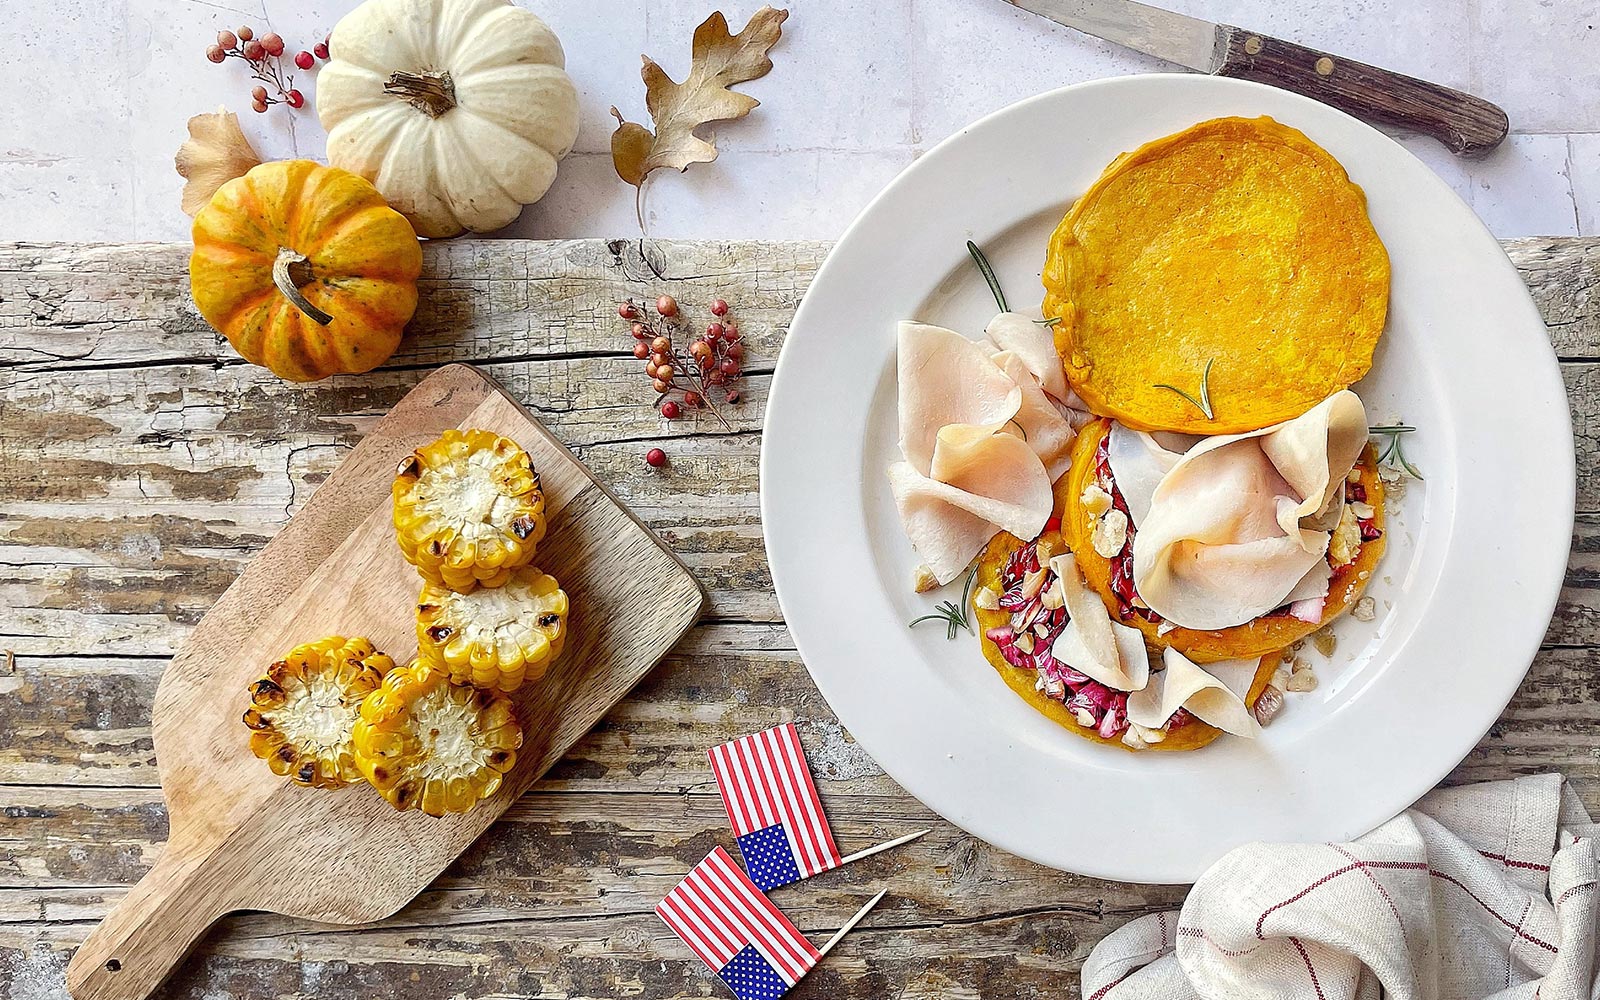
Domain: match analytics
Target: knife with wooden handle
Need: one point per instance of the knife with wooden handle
(1467, 125)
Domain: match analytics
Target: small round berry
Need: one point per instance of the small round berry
(215, 54)
(655, 458)
(258, 93)
(692, 399)
(666, 305)
(320, 50)
(661, 345)
(715, 377)
(651, 368)
(245, 34)
(733, 395)
(640, 351)
(670, 410)
(700, 349)
(729, 367)
(714, 331)
(706, 360)
(258, 106)
(731, 333)
(719, 307)
(735, 350)
(303, 59)
(627, 311)
(225, 39)
(295, 99)
(665, 372)
(273, 43)
(254, 50)
(661, 386)
(639, 331)
(659, 358)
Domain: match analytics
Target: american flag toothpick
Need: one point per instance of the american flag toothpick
(726, 921)
(775, 811)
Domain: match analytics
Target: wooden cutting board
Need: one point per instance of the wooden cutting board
(244, 838)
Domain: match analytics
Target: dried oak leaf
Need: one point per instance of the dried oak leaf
(215, 153)
(677, 109)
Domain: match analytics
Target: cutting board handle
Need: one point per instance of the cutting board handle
(146, 935)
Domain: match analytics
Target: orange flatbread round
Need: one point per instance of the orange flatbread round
(1237, 243)
(990, 567)
(1253, 638)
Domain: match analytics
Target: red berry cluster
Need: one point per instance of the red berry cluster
(263, 54)
(688, 378)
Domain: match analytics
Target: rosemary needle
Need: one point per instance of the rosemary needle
(1393, 453)
(954, 617)
(988, 275)
(1203, 404)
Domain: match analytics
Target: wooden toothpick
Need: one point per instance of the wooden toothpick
(840, 933)
(908, 838)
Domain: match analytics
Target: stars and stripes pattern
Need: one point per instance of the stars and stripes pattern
(727, 922)
(773, 807)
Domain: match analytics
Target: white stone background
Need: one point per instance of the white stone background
(96, 94)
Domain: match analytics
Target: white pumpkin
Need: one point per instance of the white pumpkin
(456, 110)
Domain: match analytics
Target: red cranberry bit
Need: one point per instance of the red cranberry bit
(1355, 492)
(1369, 529)
(655, 458)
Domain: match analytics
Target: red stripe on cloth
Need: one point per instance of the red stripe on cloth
(1572, 892)
(1102, 991)
(1315, 984)
(1547, 946)
(1382, 889)
(1514, 863)
(1198, 932)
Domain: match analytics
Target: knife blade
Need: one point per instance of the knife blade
(1467, 125)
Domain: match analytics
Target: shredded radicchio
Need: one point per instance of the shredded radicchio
(1095, 706)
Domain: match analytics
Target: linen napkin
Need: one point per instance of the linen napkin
(1479, 891)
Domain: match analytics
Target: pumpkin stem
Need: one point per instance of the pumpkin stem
(289, 272)
(430, 93)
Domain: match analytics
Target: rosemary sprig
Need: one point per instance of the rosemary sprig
(954, 617)
(988, 275)
(1203, 404)
(1052, 321)
(1393, 454)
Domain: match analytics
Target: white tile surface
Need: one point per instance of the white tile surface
(859, 90)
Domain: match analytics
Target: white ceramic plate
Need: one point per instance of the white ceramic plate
(1475, 555)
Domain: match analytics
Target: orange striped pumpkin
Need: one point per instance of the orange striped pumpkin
(305, 269)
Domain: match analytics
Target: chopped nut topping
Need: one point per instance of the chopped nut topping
(1268, 705)
(1110, 533)
(923, 580)
(1095, 500)
(1365, 610)
(987, 599)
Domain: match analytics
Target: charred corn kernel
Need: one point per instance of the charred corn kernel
(468, 509)
(494, 637)
(428, 744)
(303, 712)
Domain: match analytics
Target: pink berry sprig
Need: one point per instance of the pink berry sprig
(263, 55)
(686, 378)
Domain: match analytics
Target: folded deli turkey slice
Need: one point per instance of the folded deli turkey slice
(979, 482)
(982, 443)
(1107, 651)
(1214, 695)
(1239, 521)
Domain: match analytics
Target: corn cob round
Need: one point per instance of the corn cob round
(302, 713)
(494, 637)
(425, 743)
(468, 509)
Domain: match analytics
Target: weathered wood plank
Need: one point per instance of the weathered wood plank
(86, 307)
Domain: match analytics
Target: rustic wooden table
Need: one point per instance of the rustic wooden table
(141, 464)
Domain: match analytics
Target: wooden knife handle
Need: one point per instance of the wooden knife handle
(146, 936)
(1468, 125)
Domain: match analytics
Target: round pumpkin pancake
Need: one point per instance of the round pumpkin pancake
(1191, 736)
(1253, 638)
(1239, 244)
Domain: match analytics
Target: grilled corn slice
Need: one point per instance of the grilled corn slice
(302, 713)
(468, 509)
(428, 744)
(495, 637)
